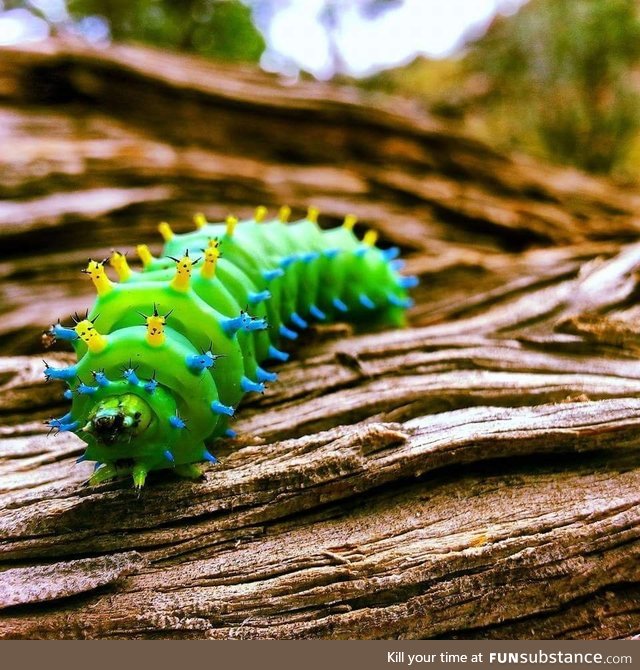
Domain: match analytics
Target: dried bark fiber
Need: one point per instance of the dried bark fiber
(476, 475)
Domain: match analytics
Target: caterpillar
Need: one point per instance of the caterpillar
(166, 353)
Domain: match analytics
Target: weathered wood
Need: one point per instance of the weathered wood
(476, 475)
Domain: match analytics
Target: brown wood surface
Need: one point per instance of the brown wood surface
(476, 475)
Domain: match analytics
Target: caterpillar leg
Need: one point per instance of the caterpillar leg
(189, 471)
(104, 473)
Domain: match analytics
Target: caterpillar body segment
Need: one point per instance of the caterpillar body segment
(166, 353)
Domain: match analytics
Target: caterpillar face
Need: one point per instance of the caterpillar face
(119, 419)
(151, 393)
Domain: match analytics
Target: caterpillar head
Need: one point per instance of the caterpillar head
(118, 419)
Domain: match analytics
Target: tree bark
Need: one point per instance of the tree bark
(476, 475)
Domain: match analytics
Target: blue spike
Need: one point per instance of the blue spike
(151, 385)
(256, 324)
(68, 394)
(209, 457)
(278, 355)
(61, 426)
(288, 260)
(255, 298)
(96, 466)
(309, 256)
(331, 253)
(268, 275)
(62, 333)
(247, 385)
(297, 320)
(408, 282)
(100, 377)
(361, 251)
(84, 389)
(199, 362)
(390, 253)
(339, 305)
(230, 433)
(399, 302)
(317, 313)
(219, 408)
(60, 373)
(82, 458)
(130, 375)
(397, 264)
(177, 422)
(366, 301)
(288, 333)
(265, 376)
(169, 456)
(232, 326)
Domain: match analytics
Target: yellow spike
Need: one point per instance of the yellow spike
(182, 277)
(370, 238)
(155, 328)
(211, 255)
(200, 220)
(165, 230)
(99, 277)
(350, 221)
(284, 213)
(90, 336)
(119, 263)
(312, 214)
(145, 255)
(232, 222)
(261, 213)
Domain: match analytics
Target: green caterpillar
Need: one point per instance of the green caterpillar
(166, 354)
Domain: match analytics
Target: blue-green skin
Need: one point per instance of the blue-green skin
(318, 267)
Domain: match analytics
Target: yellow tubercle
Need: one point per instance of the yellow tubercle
(260, 214)
(200, 220)
(370, 238)
(312, 214)
(155, 328)
(284, 213)
(90, 336)
(165, 230)
(232, 222)
(350, 221)
(182, 278)
(211, 255)
(98, 276)
(119, 263)
(145, 255)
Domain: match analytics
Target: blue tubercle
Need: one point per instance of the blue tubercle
(100, 377)
(278, 355)
(151, 385)
(176, 422)
(169, 456)
(219, 408)
(62, 333)
(209, 457)
(255, 297)
(200, 362)
(408, 282)
(130, 375)
(288, 333)
(59, 373)
(317, 313)
(268, 275)
(339, 305)
(85, 389)
(366, 301)
(247, 386)
(390, 253)
(265, 376)
(399, 302)
(298, 321)
(230, 433)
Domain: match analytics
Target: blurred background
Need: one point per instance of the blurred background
(556, 79)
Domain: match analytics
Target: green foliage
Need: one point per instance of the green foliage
(563, 69)
(221, 29)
